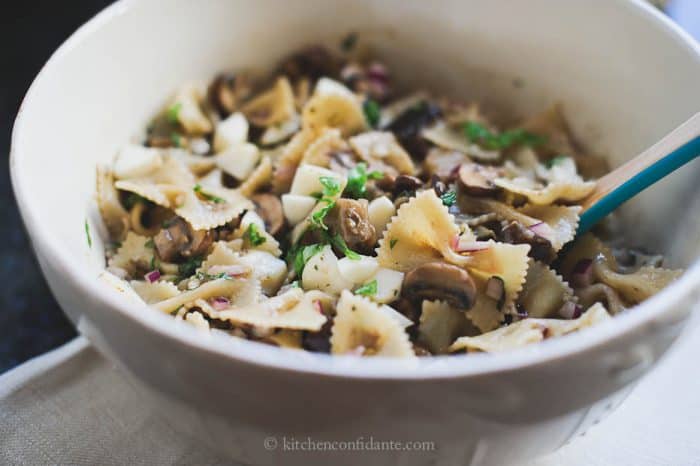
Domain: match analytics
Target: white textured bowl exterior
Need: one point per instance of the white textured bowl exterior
(626, 76)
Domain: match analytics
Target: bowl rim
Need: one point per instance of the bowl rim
(256, 354)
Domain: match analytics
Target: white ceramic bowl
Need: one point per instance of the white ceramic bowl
(626, 76)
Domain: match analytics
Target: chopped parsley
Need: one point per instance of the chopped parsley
(155, 263)
(555, 161)
(174, 112)
(253, 236)
(372, 112)
(149, 243)
(303, 254)
(189, 267)
(392, 242)
(318, 216)
(331, 186)
(480, 134)
(449, 198)
(348, 42)
(209, 197)
(368, 289)
(340, 243)
(357, 179)
(207, 276)
(176, 139)
(295, 284)
(87, 234)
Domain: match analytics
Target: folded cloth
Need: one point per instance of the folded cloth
(72, 407)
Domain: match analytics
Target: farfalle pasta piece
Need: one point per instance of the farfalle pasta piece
(586, 247)
(421, 231)
(637, 286)
(360, 328)
(114, 216)
(544, 291)
(261, 177)
(220, 255)
(217, 207)
(273, 107)
(322, 149)
(197, 320)
(528, 331)
(440, 324)
(334, 110)
(199, 165)
(164, 187)
(189, 113)
(267, 242)
(154, 292)
(447, 137)
(225, 287)
(559, 182)
(380, 148)
(286, 165)
(134, 255)
(600, 293)
(293, 309)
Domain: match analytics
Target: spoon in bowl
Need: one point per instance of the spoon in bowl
(676, 149)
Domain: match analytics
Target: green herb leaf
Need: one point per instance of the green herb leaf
(372, 112)
(331, 186)
(480, 134)
(555, 161)
(348, 42)
(253, 235)
(368, 289)
(209, 197)
(87, 234)
(295, 284)
(357, 179)
(155, 263)
(449, 198)
(392, 242)
(340, 243)
(375, 175)
(174, 112)
(189, 267)
(303, 255)
(176, 139)
(150, 243)
(318, 216)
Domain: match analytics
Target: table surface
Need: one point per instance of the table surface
(30, 321)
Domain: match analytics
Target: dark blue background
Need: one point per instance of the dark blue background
(30, 320)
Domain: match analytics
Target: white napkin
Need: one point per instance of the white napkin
(72, 407)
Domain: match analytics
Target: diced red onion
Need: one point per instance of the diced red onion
(582, 273)
(220, 303)
(229, 270)
(570, 310)
(541, 229)
(153, 276)
(318, 306)
(378, 72)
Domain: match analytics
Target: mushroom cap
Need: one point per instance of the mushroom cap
(440, 281)
(269, 207)
(477, 179)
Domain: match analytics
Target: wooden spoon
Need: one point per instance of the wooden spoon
(676, 149)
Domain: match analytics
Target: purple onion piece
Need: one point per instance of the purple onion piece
(152, 276)
(220, 302)
(582, 273)
(541, 229)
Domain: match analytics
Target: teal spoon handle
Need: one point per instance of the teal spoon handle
(675, 150)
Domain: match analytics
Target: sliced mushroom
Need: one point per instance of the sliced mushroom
(540, 248)
(408, 125)
(440, 281)
(406, 184)
(178, 240)
(227, 91)
(350, 219)
(443, 163)
(269, 207)
(313, 62)
(477, 179)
